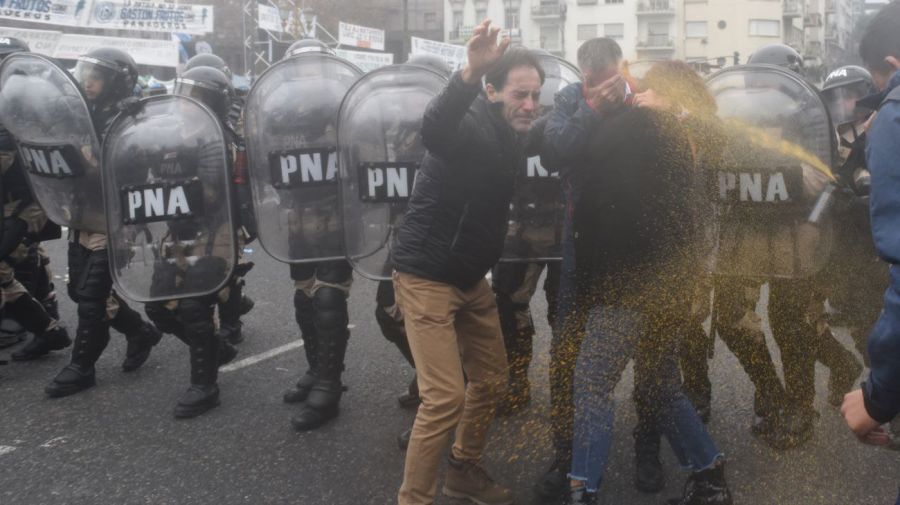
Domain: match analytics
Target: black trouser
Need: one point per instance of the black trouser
(320, 304)
(514, 284)
(390, 320)
(90, 286)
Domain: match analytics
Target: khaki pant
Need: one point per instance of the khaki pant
(449, 331)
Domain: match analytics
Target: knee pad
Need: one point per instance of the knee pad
(330, 306)
(164, 318)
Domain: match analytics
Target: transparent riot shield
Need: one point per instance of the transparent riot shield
(775, 170)
(536, 209)
(290, 122)
(44, 108)
(168, 199)
(380, 150)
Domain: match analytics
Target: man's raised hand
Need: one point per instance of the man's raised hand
(483, 51)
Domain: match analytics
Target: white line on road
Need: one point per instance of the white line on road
(252, 360)
(6, 449)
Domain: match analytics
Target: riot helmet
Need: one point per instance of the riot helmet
(307, 46)
(431, 62)
(9, 45)
(208, 60)
(842, 89)
(208, 85)
(107, 75)
(778, 54)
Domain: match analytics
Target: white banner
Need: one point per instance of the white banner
(151, 16)
(39, 41)
(360, 36)
(154, 52)
(454, 55)
(364, 60)
(269, 18)
(54, 12)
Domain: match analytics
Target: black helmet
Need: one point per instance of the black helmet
(9, 45)
(208, 60)
(842, 89)
(778, 54)
(431, 62)
(208, 85)
(307, 46)
(114, 68)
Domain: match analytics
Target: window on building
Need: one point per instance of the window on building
(608, 2)
(550, 37)
(480, 15)
(457, 19)
(587, 32)
(765, 28)
(695, 29)
(615, 31)
(658, 34)
(587, 2)
(431, 21)
(512, 19)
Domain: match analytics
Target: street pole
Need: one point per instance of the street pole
(405, 31)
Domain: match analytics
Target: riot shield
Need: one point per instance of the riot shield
(290, 124)
(45, 109)
(380, 151)
(775, 168)
(168, 199)
(536, 209)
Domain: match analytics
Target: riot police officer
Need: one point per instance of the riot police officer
(190, 318)
(858, 277)
(237, 304)
(25, 224)
(107, 76)
(292, 110)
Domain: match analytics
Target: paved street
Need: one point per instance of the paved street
(118, 443)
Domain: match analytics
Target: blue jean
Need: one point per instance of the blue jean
(613, 336)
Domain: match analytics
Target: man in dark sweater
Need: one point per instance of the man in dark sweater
(451, 236)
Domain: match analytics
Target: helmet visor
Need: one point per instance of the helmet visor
(841, 102)
(208, 95)
(94, 77)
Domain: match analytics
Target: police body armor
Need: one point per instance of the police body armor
(290, 126)
(536, 209)
(168, 199)
(380, 151)
(46, 111)
(775, 171)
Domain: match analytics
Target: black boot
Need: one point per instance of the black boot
(227, 352)
(648, 476)
(554, 484)
(140, 343)
(403, 439)
(579, 496)
(300, 391)
(247, 304)
(70, 380)
(411, 398)
(706, 487)
(203, 394)
(34, 318)
(321, 406)
(230, 315)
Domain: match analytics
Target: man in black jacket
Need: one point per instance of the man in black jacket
(452, 234)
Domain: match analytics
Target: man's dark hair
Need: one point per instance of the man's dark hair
(882, 38)
(514, 57)
(598, 54)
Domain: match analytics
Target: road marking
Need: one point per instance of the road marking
(252, 360)
(54, 442)
(6, 449)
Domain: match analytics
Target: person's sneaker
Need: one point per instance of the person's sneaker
(41, 345)
(70, 380)
(403, 439)
(468, 480)
(840, 383)
(554, 483)
(706, 487)
(580, 496)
